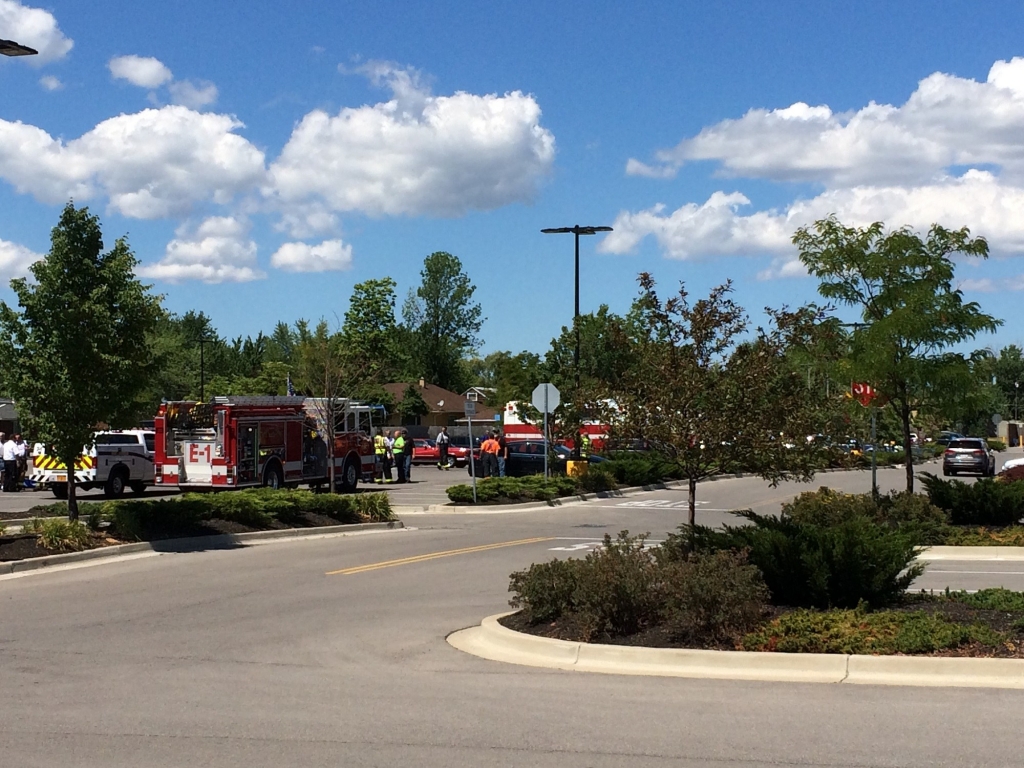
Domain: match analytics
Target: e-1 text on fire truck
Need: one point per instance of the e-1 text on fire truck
(241, 442)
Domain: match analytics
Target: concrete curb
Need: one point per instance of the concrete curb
(193, 544)
(492, 641)
(938, 554)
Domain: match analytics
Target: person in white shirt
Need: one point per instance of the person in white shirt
(21, 460)
(10, 464)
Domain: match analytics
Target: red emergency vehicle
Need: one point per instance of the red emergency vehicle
(516, 428)
(242, 442)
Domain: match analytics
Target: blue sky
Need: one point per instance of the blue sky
(264, 157)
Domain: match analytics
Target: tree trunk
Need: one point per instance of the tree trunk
(908, 446)
(72, 498)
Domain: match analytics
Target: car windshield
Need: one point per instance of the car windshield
(971, 445)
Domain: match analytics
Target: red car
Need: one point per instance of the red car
(425, 452)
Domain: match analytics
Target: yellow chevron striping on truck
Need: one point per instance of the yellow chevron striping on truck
(52, 462)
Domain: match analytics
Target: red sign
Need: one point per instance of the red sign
(864, 394)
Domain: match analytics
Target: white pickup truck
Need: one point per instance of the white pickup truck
(117, 459)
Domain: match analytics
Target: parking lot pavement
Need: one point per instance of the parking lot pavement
(24, 500)
(428, 486)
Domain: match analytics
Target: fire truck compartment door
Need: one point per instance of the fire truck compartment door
(198, 462)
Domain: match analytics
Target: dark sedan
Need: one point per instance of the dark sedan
(526, 457)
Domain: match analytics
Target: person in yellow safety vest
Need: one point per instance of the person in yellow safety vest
(380, 450)
(398, 449)
(584, 446)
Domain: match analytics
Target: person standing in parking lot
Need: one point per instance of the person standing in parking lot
(489, 456)
(443, 441)
(10, 465)
(502, 452)
(398, 452)
(407, 454)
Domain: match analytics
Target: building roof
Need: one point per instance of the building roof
(434, 396)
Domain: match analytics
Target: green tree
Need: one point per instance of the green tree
(412, 405)
(78, 353)
(911, 313)
(444, 321)
(371, 333)
(711, 401)
(513, 377)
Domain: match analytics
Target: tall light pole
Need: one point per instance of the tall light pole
(11, 48)
(576, 231)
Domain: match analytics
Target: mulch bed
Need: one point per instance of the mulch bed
(659, 637)
(25, 546)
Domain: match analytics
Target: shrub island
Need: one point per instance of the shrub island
(191, 514)
(830, 574)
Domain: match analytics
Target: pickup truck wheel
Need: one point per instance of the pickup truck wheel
(138, 487)
(114, 489)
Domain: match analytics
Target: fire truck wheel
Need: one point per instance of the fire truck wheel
(272, 477)
(60, 490)
(349, 476)
(114, 489)
(138, 488)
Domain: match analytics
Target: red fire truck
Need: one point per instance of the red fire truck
(241, 442)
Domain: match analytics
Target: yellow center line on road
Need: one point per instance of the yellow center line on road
(435, 556)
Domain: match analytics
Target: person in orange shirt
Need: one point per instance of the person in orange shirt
(489, 456)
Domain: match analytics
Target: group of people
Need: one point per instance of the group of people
(393, 449)
(493, 454)
(15, 461)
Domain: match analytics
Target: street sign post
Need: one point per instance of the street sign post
(546, 398)
(866, 395)
(470, 411)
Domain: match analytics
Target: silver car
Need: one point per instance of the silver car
(968, 454)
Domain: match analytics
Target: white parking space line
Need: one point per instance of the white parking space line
(983, 573)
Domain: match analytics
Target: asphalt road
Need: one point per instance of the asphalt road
(331, 651)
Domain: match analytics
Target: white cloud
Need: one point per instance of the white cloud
(692, 230)
(988, 285)
(309, 220)
(417, 153)
(219, 250)
(35, 28)
(151, 164)
(143, 71)
(15, 259)
(51, 83)
(330, 255)
(193, 95)
(947, 121)
(783, 267)
(977, 199)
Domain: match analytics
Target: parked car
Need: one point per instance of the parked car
(968, 454)
(946, 436)
(458, 449)
(526, 457)
(425, 452)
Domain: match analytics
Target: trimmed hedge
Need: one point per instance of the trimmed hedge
(837, 564)
(626, 587)
(258, 508)
(985, 502)
(860, 632)
(514, 489)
